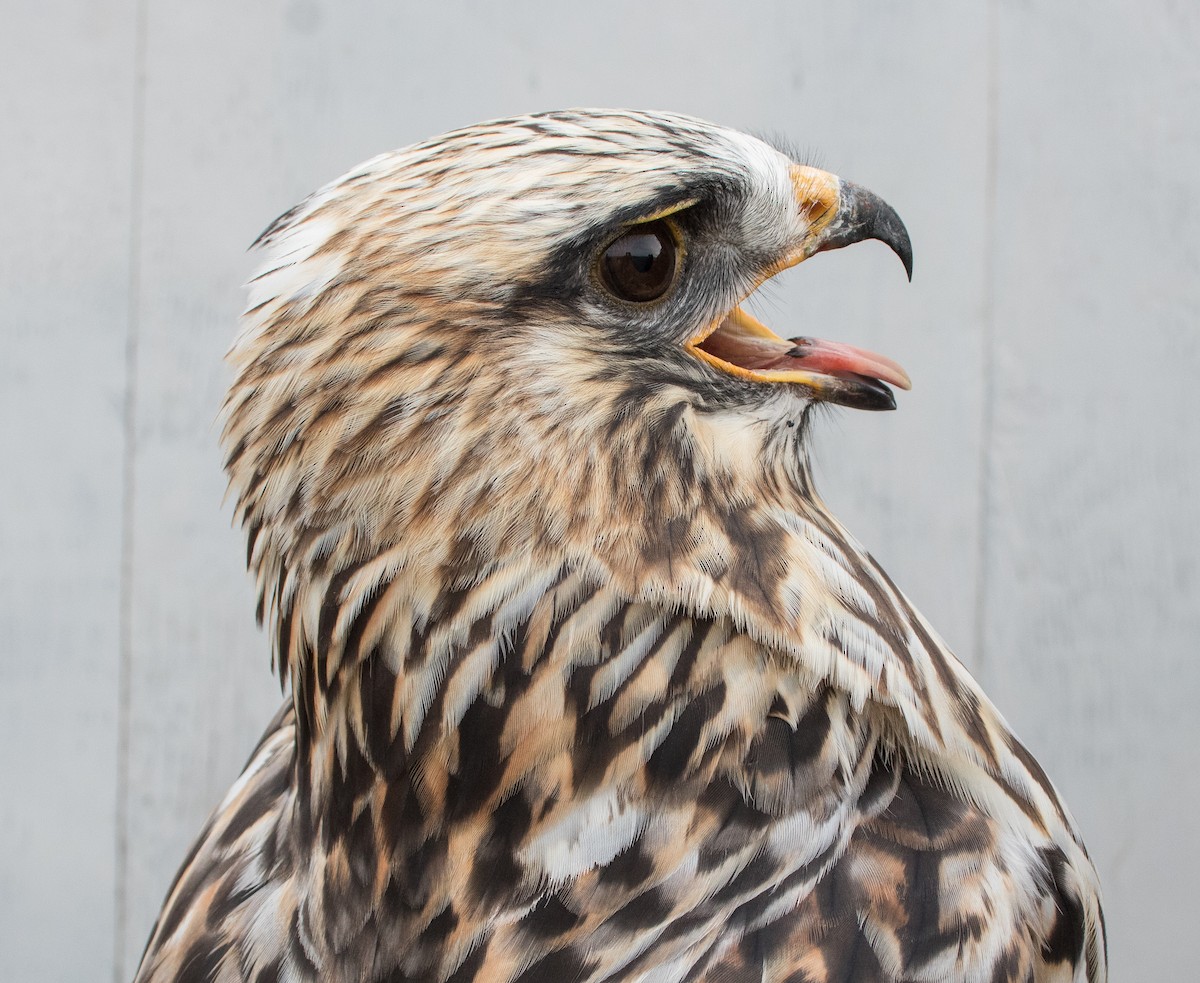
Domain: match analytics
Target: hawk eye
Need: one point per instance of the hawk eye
(640, 265)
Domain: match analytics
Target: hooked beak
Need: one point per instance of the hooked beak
(838, 213)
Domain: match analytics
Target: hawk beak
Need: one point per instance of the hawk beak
(843, 213)
(837, 213)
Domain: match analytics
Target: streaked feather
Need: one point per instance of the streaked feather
(587, 683)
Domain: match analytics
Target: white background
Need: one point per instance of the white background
(1035, 494)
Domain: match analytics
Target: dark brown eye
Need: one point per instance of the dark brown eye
(641, 264)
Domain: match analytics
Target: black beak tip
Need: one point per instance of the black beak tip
(889, 229)
(864, 215)
(861, 392)
(884, 401)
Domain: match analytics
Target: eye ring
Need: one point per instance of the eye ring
(640, 265)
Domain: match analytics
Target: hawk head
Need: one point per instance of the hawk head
(521, 343)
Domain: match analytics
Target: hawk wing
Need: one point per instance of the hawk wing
(638, 826)
(243, 851)
(923, 892)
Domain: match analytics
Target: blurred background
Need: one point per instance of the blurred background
(1035, 494)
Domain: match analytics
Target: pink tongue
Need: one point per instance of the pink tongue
(834, 358)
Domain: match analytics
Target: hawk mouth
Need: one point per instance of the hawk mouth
(838, 213)
(741, 345)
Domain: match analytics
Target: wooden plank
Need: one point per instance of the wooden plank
(200, 684)
(886, 103)
(1093, 535)
(67, 87)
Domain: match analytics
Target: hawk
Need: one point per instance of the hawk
(587, 684)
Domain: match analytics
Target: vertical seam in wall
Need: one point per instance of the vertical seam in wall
(987, 426)
(128, 478)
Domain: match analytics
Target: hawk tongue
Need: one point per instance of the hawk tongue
(835, 358)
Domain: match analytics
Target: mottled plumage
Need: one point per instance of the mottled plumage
(587, 683)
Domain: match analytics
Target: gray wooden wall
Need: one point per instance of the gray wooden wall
(1035, 494)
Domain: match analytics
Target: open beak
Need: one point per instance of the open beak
(837, 214)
